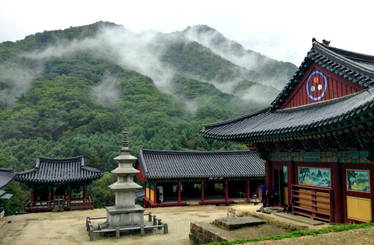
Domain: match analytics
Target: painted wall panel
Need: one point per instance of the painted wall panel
(359, 208)
(318, 84)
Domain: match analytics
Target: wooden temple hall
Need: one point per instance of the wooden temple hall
(59, 184)
(317, 137)
(177, 178)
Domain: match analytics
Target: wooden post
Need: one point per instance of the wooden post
(338, 196)
(49, 195)
(202, 192)
(291, 180)
(32, 199)
(69, 193)
(84, 193)
(268, 179)
(226, 190)
(155, 192)
(248, 191)
(179, 192)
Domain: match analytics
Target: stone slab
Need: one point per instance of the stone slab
(231, 223)
(300, 219)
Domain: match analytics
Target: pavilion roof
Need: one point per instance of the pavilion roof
(59, 170)
(6, 176)
(158, 164)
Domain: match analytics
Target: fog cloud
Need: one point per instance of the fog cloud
(15, 80)
(143, 52)
(107, 91)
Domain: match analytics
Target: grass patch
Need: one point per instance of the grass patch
(296, 234)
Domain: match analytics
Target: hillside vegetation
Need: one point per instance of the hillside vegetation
(71, 92)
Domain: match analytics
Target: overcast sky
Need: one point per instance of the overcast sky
(281, 29)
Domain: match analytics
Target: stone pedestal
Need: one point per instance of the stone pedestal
(125, 216)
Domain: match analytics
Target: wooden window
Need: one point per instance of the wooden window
(358, 180)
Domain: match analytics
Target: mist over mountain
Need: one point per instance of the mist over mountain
(70, 92)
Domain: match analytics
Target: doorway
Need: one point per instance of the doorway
(278, 192)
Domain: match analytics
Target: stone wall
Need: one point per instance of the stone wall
(201, 234)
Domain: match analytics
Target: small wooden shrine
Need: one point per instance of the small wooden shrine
(59, 183)
(176, 178)
(317, 137)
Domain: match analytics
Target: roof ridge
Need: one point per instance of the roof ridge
(195, 152)
(343, 58)
(61, 158)
(6, 169)
(350, 54)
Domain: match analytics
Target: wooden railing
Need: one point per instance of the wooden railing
(61, 203)
(314, 202)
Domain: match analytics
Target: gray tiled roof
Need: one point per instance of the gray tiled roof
(6, 176)
(358, 68)
(271, 124)
(59, 170)
(157, 164)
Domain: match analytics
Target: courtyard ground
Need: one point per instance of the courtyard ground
(68, 228)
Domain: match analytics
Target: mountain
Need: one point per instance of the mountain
(71, 92)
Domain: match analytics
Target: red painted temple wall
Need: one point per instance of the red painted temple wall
(336, 87)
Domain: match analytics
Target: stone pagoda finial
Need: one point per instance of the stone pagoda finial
(125, 141)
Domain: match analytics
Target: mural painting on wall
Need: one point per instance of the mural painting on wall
(316, 85)
(358, 180)
(315, 176)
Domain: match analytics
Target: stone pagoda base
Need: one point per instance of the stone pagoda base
(122, 217)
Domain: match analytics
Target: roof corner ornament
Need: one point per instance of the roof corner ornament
(325, 42)
(314, 40)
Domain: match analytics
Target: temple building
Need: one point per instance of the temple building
(317, 137)
(177, 178)
(59, 184)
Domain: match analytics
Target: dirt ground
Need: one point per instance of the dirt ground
(68, 228)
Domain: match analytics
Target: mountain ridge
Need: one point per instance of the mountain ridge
(70, 92)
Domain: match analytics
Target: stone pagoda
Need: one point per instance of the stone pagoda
(125, 213)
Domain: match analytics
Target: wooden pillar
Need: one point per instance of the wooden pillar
(49, 193)
(84, 193)
(248, 191)
(179, 192)
(338, 193)
(291, 180)
(202, 192)
(268, 178)
(155, 192)
(32, 195)
(226, 190)
(69, 193)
